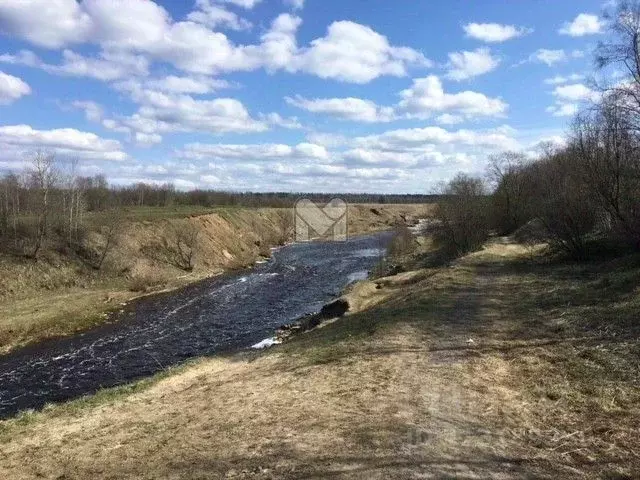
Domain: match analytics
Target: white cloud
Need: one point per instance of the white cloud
(46, 23)
(560, 79)
(349, 51)
(329, 140)
(370, 157)
(575, 92)
(465, 65)
(549, 57)
(427, 96)
(494, 32)
(64, 141)
(92, 111)
(248, 4)
(147, 139)
(408, 138)
(214, 16)
(583, 24)
(448, 119)
(355, 109)
(195, 85)
(161, 113)
(295, 4)
(108, 67)
(12, 88)
(569, 97)
(277, 120)
(563, 109)
(265, 151)
(355, 53)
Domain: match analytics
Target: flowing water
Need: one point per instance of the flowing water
(224, 313)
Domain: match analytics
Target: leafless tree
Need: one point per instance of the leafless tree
(511, 197)
(111, 224)
(462, 215)
(43, 176)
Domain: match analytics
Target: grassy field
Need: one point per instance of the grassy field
(495, 367)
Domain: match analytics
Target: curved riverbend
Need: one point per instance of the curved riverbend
(224, 313)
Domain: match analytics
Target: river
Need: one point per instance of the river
(220, 314)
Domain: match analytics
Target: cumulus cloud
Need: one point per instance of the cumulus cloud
(265, 151)
(46, 23)
(569, 97)
(277, 120)
(355, 109)
(563, 109)
(65, 141)
(12, 88)
(356, 53)
(215, 16)
(561, 79)
(295, 4)
(575, 92)
(194, 85)
(494, 32)
(108, 66)
(248, 4)
(147, 139)
(161, 113)
(406, 138)
(583, 24)
(427, 96)
(449, 119)
(548, 57)
(348, 52)
(92, 110)
(465, 65)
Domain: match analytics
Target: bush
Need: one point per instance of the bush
(403, 242)
(463, 216)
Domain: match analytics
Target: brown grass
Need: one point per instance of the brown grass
(59, 295)
(549, 388)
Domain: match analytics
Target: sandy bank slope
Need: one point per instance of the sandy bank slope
(59, 294)
(394, 391)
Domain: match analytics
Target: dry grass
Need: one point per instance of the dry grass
(548, 389)
(59, 295)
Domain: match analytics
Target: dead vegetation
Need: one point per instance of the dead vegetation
(122, 259)
(497, 367)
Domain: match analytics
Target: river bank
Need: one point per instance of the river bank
(217, 315)
(548, 387)
(59, 295)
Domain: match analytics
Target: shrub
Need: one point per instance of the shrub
(463, 216)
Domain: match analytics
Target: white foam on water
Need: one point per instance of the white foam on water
(357, 276)
(266, 343)
(370, 252)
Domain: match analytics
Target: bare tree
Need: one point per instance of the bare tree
(511, 197)
(462, 215)
(111, 224)
(621, 51)
(178, 246)
(43, 177)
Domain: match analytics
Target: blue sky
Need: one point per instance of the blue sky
(290, 95)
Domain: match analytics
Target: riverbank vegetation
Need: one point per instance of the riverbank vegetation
(581, 198)
(496, 366)
(126, 254)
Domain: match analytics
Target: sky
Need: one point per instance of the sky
(290, 95)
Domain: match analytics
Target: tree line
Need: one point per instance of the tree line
(572, 196)
(49, 203)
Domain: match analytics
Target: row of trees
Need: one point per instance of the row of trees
(569, 196)
(42, 200)
(47, 204)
